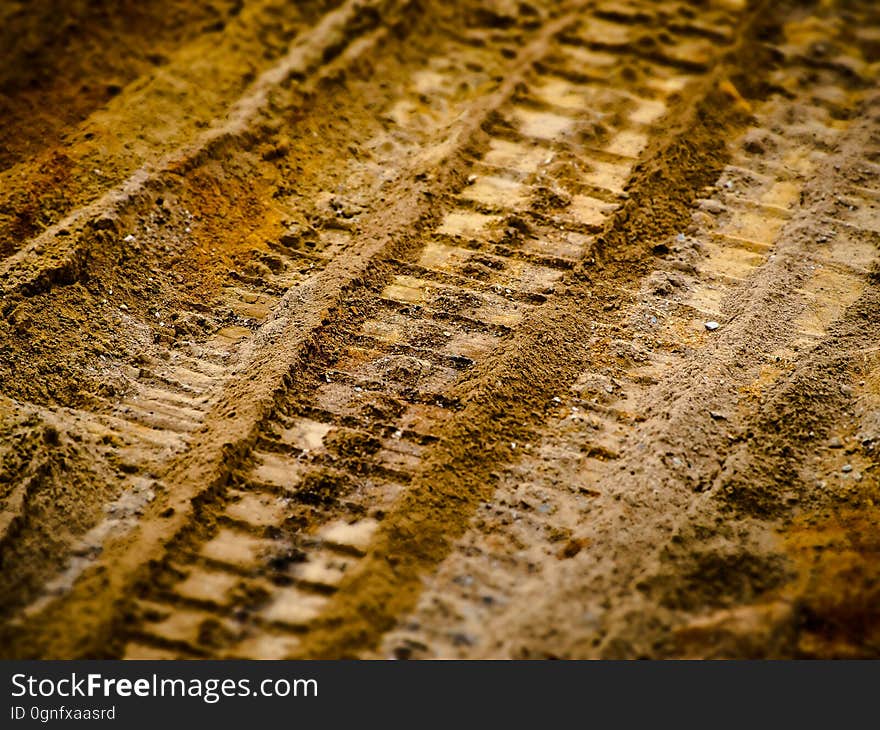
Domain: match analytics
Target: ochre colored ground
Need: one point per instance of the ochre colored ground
(400, 328)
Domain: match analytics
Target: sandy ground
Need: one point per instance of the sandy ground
(400, 328)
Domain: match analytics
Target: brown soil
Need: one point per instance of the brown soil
(468, 329)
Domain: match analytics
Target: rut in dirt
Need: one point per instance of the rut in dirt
(473, 329)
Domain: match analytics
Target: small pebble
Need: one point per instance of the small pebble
(846, 468)
(712, 326)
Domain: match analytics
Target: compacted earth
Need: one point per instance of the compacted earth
(422, 329)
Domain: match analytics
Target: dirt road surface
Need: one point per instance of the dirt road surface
(403, 328)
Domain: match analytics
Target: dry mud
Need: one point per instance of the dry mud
(400, 328)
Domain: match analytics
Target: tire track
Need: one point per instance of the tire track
(166, 394)
(325, 473)
(390, 362)
(290, 327)
(615, 452)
